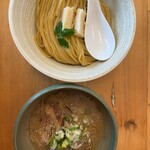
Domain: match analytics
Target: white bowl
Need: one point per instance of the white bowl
(21, 21)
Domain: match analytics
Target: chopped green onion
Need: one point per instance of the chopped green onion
(59, 135)
(53, 143)
(65, 144)
(70, 135)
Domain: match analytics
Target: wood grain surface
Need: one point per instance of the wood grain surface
(148, 110)
(149, 57)
(19, 81)
(148, 129)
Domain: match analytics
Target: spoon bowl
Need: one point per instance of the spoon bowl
(99, 38)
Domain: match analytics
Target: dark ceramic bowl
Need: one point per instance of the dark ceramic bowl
(21, 134)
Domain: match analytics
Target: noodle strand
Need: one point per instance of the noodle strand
(48, 14)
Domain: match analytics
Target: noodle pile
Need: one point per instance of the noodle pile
(48, 14)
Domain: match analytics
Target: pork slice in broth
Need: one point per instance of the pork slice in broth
(44, 120)
(56, 115)
(42, 129)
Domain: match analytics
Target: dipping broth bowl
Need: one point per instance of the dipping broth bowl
(21, 132)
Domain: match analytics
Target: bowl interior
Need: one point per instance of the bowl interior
(22, 18)
(21, 136)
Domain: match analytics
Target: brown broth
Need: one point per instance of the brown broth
(66, 102)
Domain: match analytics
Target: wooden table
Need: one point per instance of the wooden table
(19, 81)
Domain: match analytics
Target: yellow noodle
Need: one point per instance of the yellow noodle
(48, 14)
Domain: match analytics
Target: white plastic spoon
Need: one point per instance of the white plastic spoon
(99, 38)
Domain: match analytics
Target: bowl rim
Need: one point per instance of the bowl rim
(57, 75)
(62, 86)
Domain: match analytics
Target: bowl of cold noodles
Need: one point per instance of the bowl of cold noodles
(50, 36)
(65, 117)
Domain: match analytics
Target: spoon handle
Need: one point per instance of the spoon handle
(93, 4)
